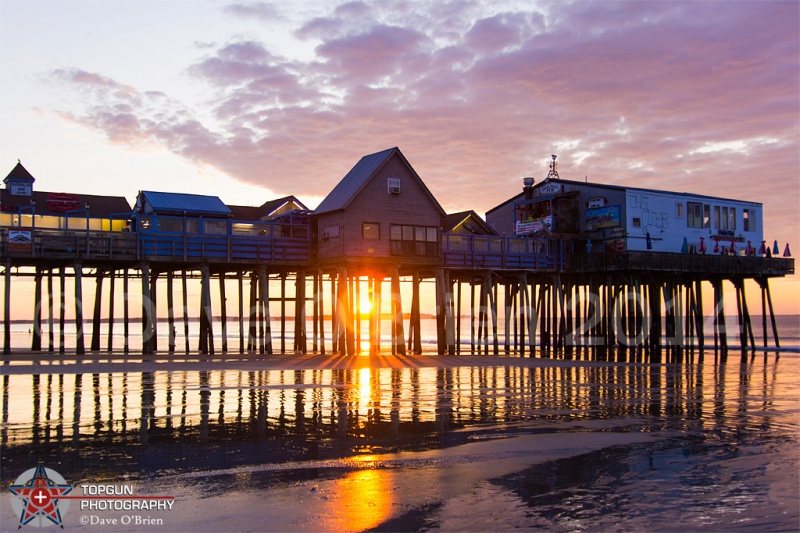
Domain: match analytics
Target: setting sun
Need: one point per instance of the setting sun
(366, 306)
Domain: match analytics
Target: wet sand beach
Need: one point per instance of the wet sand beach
(388, 443)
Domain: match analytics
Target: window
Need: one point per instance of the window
(694, 215)
(724, 218)
(371, 230)
(414, 241)
(393, 185)
(706, 216)
(170, 224)
(215, 227)
(637, 222)
(716, 217)
(732, 219)
(678, 210)
(432, 235)
(749, 220)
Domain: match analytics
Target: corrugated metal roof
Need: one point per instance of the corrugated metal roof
(346, 189)
(195, 204)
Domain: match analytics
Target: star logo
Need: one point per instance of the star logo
(37, 494)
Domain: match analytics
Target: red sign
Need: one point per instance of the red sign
(62, 202)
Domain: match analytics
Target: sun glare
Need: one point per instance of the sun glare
(366, 306)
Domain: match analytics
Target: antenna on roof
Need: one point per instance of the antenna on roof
(553, 172)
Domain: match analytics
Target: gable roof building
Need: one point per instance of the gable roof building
(380, 213)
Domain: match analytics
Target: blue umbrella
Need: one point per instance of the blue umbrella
(786, 252)
(685, 247)
(775, 249)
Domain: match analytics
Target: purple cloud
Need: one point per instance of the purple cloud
(696, 96)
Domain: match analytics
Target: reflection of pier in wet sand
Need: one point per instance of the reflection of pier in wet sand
(149, 412)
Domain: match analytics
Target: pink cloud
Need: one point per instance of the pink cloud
(623, 92)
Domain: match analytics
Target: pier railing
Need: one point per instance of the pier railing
(284, 245)
(677, 262)
(499, 253)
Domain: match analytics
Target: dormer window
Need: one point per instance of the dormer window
(393, 185)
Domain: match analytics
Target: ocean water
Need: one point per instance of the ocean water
(453, 444)
(788, 329)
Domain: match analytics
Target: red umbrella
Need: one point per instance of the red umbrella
(762, 250)
(749, 249)
(716, 247)
(702, 247)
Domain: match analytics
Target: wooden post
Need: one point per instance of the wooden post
(264, 284)
(111, 295)
(98, 310)
(154, 309)
(185, 299)
(7, 309)
(492, 292)
(300, 313)
(125, 313)
(483, 318)
(457, 316)
(240, 318)
(772, 315)
(740, 316)
(206, 326)
(335, 315)
(36, 339)
(532, 320)
(450, 331)
(321, 311)
(748, 325)
(415, 326)
(509, 317)
(62, 274)
(441, 333)
(252, 331)
(283, 312)
(79, 348)
(147, 329)
(50, 304)
(523, 303)
(719, 320)
(398, 340)
(314, 311)
(223, 304)
(655, 324)
(347, 317)
(355, 294)
(763, 310)
(170, 312)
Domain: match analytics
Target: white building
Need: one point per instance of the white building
(600, 217)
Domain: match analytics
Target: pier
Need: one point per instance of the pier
(379, 235)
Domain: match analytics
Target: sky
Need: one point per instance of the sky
(251, 101)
